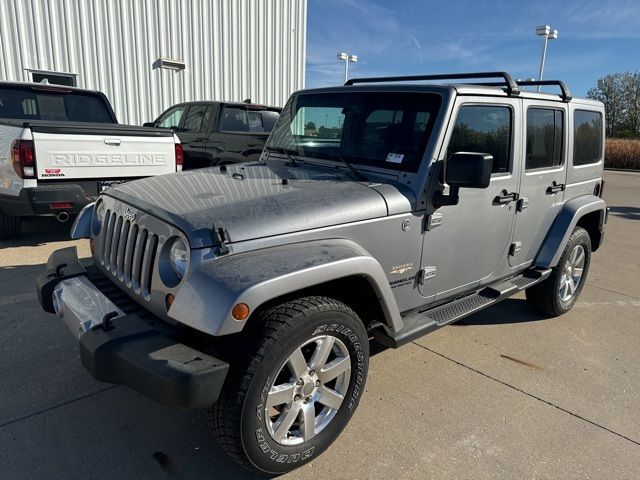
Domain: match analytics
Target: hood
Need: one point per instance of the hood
(252, 200)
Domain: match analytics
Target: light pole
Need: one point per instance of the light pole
(347, 58)
(549, 34)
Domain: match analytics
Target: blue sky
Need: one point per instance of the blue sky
(424, 36)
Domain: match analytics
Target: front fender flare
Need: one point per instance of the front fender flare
(572, 211)
(205, 301)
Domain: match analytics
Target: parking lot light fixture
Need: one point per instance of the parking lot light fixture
(346, 58)
(548, 33)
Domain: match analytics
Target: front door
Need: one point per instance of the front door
(543, 178)
(468, 244)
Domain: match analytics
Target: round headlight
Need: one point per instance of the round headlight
(98, 218)
(179, 257)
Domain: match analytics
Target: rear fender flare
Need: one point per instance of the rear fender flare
(564, 224)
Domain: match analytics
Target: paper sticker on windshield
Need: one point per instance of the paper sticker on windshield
(395, 157)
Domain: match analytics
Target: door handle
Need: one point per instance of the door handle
(505, 197)
(555, 188)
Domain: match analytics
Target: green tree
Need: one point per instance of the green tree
(620, 93)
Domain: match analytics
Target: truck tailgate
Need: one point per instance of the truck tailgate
(108, 154)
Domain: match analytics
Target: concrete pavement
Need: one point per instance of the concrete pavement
(504, 394)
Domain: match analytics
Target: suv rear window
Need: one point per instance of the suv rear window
(587, 137)
(32, 103)
(238, 119)
(388, 131)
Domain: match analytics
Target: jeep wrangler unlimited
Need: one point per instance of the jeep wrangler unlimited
(253, 289)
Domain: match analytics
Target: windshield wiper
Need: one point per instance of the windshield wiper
(355, 171)
(292, 161)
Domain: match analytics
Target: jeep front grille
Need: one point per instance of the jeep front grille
(128, 251)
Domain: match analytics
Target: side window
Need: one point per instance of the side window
(544, 138)
(269, 119)
(587, 137)
(171, 119)
(484, 129)
(194, 119)
(234, 120)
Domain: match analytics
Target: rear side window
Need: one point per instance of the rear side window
(28, 103)
(544, 138)
(236, 119)
(587, 137)
(484, 129)
(195, 118)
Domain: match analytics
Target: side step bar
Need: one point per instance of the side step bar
(425, 321)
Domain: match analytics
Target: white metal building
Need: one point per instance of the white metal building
(147, 55)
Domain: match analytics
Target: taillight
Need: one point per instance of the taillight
(23, 158)
(179, 157)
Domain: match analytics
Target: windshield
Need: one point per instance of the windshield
(31, 103)
(381, 129)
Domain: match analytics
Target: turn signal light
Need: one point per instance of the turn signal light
(240, 311)
(23, 158)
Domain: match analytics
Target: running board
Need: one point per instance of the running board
(428, 320)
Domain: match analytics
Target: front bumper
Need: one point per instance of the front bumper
(133, 349)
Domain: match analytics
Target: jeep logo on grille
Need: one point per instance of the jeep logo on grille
(129, 214)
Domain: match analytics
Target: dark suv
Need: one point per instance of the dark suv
(219, 133)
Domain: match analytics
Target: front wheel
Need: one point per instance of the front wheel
(560, 291)
(294, 386)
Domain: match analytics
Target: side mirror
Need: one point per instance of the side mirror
(464, 170)
(148, 124)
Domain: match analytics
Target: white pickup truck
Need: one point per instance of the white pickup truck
(61, 146)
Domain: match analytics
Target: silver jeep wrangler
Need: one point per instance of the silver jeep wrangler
(380, 210)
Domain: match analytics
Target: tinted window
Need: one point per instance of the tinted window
(587, 137)
(171, 119)
(387, 131)
(484, 129)
(238, 119)
(195, 118)
(269, 119)
(544, 138)
(39, 104)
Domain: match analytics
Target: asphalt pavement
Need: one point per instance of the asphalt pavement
(503, 394)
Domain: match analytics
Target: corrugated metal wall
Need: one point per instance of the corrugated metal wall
(233, 49)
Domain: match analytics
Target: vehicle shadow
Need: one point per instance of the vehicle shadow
(630, 213)
(511, 310)
(38, 231)
(57, 422)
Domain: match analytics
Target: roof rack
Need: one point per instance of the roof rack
(509, 82)
(512, 86)
(566, 94)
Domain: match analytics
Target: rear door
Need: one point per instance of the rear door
(193, 135)
(543, 178)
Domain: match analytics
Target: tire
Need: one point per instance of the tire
(10, 226)
(554, 296)
(252, 432)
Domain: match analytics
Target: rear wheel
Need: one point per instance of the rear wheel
(10, 226)
(294, 386)
(560, 291)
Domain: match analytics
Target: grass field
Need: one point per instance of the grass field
(622, 153)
